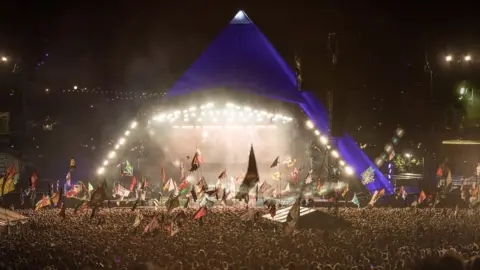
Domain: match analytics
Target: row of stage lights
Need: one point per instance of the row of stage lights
(231, 109)
(113, 153)
(231, 113)
(324, 141)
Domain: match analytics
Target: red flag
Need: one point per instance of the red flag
(134, 182)
(200, 212)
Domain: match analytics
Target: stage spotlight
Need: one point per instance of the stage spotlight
(192, 109)
(341, 163)
(323, 140)
(105, 162)
(121, 141)
(335, 154)
(117, 146)
(127, 132)
(101, 170)
(111, 154)
(133, 125)
(349, 170)
(309, 124)
(317, 132)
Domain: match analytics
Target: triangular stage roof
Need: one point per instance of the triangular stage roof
(241, 58)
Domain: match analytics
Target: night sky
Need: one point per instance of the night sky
(128, 46)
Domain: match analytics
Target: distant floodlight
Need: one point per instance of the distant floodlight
(75, 87)
(133, 125)
(101, 170)
(349, 170)
(111, 154)
(341, 163)
(335, 154)
(121, 141)
(310, 124)
(117, 146)
(4, 59)
(127, 132)
(323, 140)
(408, 155)
(105, 162)
(467, 58)
(400, 132)
(317, 132)
(448, 58)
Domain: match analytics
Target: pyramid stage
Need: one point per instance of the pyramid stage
(240, 92)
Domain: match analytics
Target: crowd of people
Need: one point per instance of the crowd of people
(377, 238)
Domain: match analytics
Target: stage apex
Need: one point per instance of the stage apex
(240, 18)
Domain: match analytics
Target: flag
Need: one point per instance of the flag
(98, 196)
(376, 195)
(121, 191)
(127, 169)
(345, 191)
(287, 188)
(292, 218)
(151, 226)
(172, 203)
(163, 176)
(73, 164)
(90, 187)
(251, 177)
(8, 181)
(135, 204)
(133, 183)
(68, 179)
(194, 194)
(223, 174)
(33, 180)
(45, 201)
(195, 162)
(421, 197)
(55, 198)
(202, 211)
(355, 200)
(309, 179)
(449, 181)
(183, 188)
(275, 163)
(138, 219)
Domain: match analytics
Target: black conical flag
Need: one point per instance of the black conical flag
(275, 163)
(251, 178)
